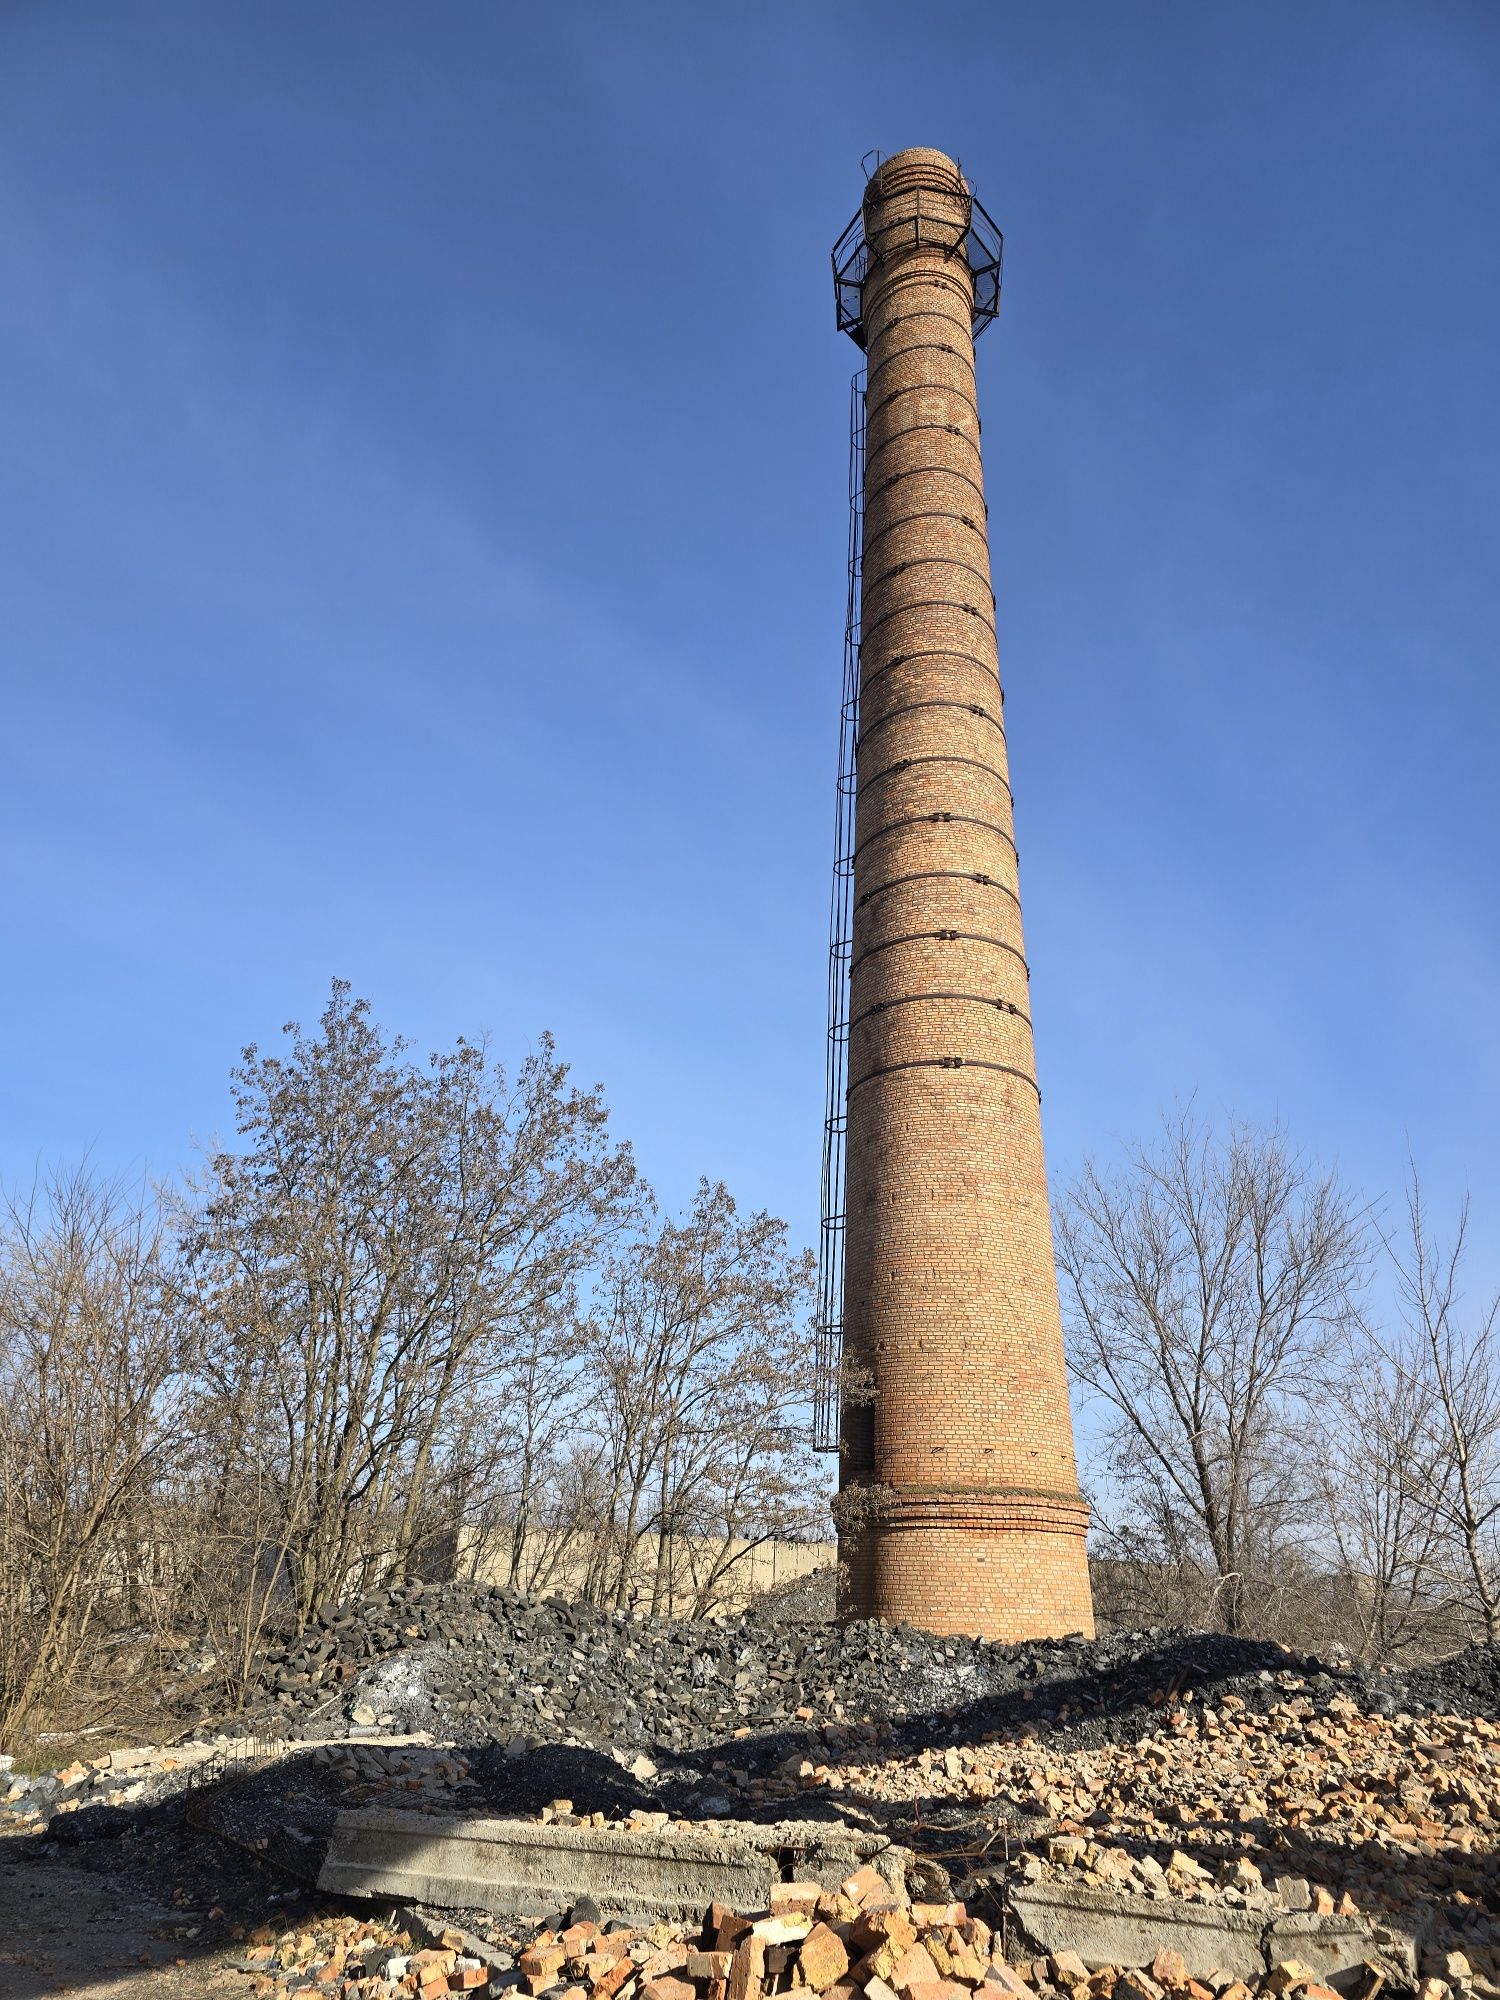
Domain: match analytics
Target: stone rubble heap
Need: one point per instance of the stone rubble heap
(471, 1662)
(125, 1782)
(116, 1779)
(1174, 1769)
(858, 1942)
(1396, 1816)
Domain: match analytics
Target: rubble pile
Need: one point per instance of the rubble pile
(1206, 1781)
(340, 1956)
(860, 1941)
(116, 1779)
(127, 1784)
(469, 1662)
(1312, 1806)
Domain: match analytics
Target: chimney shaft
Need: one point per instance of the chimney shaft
(956, 1419)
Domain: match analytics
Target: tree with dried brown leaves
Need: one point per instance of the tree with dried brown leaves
(699, 1346)
(387, 1240)
(94, 1353)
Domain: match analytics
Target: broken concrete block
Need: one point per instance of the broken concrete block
(520, 1868)
(1329, 1943)
(1107, 1927)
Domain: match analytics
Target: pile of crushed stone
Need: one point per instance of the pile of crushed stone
(472, 1663)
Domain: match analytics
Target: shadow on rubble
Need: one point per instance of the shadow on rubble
(977, 1849)
(1075, 1710)
(249, 1844)
(133, 1895)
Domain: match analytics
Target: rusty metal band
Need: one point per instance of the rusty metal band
(945, 1062)
(936, 819)
(927, 514)
(873, 583)
(907, 999)
(953, 430)
(965, 326)
(915, 471)
(937, 757)
(935, 653)
(920, 347)
(911, 707)
(980, 880)
(943, 937)
(925, 604)
(928, 276)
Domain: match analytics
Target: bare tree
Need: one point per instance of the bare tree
(373, 1257)
(92, 1354)
(397, 1321)
(1204, 1286)
(1445, 1362)
(699, 1345)
(1378, 1458)
(215, 1524)
(539, 1409)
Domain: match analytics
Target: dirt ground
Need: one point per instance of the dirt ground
(65, 1928)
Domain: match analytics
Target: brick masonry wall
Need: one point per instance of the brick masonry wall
(951, 1308)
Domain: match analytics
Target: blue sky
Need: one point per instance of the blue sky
(421, 548)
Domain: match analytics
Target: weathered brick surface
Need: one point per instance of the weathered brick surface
(951, 1293)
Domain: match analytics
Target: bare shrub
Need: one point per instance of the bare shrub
(92, 1380)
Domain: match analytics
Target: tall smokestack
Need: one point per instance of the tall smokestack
(955, 1425)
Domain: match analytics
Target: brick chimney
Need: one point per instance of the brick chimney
(955, 1415)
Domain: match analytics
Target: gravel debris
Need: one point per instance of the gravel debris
(468, 1662)
(1180, 1767)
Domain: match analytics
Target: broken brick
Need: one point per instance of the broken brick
(823, 1958)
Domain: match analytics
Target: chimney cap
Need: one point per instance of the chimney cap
(894, 215)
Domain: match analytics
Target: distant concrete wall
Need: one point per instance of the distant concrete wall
(753, 1568)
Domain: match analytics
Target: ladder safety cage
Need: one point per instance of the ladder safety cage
(830, 1314)
(978, 240)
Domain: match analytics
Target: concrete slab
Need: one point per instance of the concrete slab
(1109, 1927)
(1106, 1927)
(817, 1850)
(1332, 1944)
(518, 1868)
